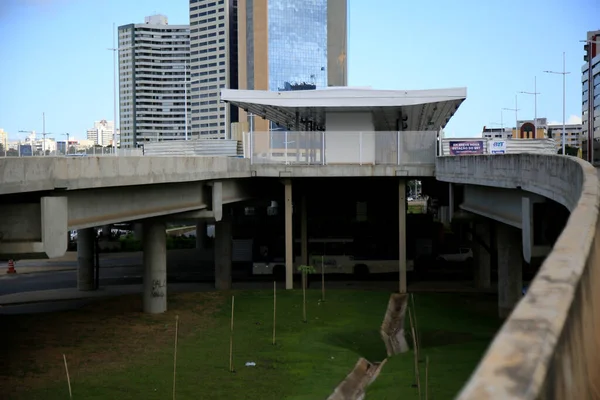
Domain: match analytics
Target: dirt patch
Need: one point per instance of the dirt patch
(104, 335)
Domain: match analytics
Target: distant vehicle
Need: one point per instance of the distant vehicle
(464, 254)
(410, 199)
(335, 259)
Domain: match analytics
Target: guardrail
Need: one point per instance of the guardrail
(549, 347)
(91, 152)
(197, 147)
(339, 147)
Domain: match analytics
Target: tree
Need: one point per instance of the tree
(569, 150)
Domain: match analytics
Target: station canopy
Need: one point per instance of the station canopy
(412, 110)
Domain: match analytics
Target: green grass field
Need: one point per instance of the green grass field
(116, 352)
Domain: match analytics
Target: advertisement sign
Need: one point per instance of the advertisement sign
(497, 147)
(467, 147)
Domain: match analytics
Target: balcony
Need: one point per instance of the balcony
(406, 148)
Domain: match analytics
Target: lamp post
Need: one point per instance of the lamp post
(564, 75)
(67, 144)
(114, 49)
(534, 93)
(516, 110)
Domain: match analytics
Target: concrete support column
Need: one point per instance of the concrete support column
(223, 248)
(138, 231)
(450, 202)
(289, 237)
(106, 231)
(304, 232)
(402, 235)
(155, 267)
(510, 268)
(85, 258)
(200, 234)
(482, 259)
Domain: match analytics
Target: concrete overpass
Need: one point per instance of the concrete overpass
(549, 347)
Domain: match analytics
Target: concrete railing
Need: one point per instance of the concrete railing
(30, 174)
(549, 348)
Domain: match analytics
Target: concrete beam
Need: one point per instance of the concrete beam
(333, 171)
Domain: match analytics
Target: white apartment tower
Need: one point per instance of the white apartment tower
(213, 38)
(102, 133)
(153, 71)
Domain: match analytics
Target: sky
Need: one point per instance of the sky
(54, 56)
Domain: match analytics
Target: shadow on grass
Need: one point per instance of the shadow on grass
(365, 343)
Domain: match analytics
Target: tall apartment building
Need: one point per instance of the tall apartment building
(590, 114)
(153, 71)
(213, 53)
(102, 133)
(262, 45)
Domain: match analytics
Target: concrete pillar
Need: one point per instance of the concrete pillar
(510, 268)
(106, 231)
(200, 234)
(138, 231)
(481, 256)
(304, 232)
(289, 237)
(527, 227)
(85, 258)
(223, 248)
(450, 202)
(402, 235)
(155, 267)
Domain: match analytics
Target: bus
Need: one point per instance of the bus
(330, 256)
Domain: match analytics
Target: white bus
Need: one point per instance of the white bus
(335, 256)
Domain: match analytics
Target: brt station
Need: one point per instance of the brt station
(368, 143)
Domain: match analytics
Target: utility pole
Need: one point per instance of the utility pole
(564, 74)
(516, 110)
(534, 93)
(114, 49)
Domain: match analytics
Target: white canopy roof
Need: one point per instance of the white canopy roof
(422, 110)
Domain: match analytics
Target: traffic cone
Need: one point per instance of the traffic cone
(11, 267)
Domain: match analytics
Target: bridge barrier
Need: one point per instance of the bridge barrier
(549, 347)
(197, 147)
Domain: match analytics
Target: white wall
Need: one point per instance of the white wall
(343, 138)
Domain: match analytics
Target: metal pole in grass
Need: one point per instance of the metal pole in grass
(426, 377)
(175, 353)
(231, 336)
(274, 308)
(68, 378)
(322, 279)
(414, 307)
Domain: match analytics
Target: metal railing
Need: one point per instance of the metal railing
(341, 147)
(91, 152)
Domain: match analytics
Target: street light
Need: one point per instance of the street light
(516, 110)
(114, 49)
(564, 75)
(67, 145)
(534, 93)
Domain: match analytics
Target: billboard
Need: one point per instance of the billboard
(497, 147)
(467, 147)
(25, 150)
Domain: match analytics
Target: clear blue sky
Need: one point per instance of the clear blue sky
(54, 57)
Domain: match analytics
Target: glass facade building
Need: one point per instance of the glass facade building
(297, 44)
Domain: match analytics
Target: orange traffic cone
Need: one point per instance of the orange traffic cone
(11, 267)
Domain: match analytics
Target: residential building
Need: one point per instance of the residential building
(102, 133)
(496, 133)
(530, 129)
(590, 114)
(573, 134)
(153, 72)
(290, 45)
(214, 48)
(4, 139)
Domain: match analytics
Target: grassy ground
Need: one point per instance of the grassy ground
(114, 351)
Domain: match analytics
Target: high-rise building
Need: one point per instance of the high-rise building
(590, 114)
(214, 47)
(3, 139)
(262, 45)
(153, 71)
(291, 45)
(573, 135)
(102, 133)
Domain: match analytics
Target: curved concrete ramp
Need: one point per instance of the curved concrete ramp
(361, 376)
(549, 348)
